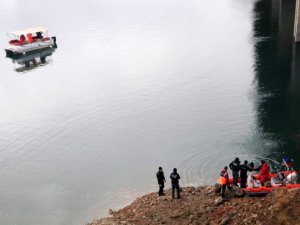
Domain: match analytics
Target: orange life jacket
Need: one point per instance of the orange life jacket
(222, 180)
(29, 38)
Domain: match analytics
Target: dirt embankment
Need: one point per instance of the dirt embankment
(203, 206)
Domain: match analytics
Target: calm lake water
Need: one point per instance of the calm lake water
(135, 85)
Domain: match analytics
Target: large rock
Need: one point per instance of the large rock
(217, 188)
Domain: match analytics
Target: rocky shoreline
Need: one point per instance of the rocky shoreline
(203, 205)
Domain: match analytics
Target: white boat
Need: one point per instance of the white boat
(27, 41)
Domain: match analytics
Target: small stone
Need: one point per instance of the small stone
(225, 221)
(233, 212)
(174, 216)
(218, 201)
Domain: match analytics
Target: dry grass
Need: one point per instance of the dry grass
(285, 210)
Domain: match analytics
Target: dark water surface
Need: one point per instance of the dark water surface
(135, 85)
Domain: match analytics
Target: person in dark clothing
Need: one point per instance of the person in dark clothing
(244, 168)
(161, 181)
(39, 35)
(235, 167)
(257, 168)
(175, 183)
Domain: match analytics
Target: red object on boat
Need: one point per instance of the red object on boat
(264, 172)
(256, 176)
(260, 191)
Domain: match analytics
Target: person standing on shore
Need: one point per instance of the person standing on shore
(224, 181)
(244, 168)
(175, 183)
(161, 181)
(235, 167)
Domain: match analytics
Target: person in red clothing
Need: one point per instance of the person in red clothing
(22, 39)
(264, 172)
(29, 38)
(224, 180)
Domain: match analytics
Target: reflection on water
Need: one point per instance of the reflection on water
(275, 58)
(32, 60)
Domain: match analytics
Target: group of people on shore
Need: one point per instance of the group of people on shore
(174, 176)
(241, 171)
(238, 171)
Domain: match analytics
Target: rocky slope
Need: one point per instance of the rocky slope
(203, 205)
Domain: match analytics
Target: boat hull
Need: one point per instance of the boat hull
(16, 52)
(255, 189)
(42, 53)
(261, 191)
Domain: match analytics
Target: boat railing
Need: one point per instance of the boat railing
(34, 40)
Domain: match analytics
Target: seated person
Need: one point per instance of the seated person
(39, 35)
(22, 39)
(29, 38)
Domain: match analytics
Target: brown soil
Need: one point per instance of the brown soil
(203, 205)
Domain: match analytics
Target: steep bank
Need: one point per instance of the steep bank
(202, 205)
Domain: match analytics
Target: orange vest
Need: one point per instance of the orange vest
(222, 180)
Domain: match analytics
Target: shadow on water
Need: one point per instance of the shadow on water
(31, 61)
(277, 59)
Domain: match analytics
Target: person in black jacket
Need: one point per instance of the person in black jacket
(235, 167)
(161, 181)
(175, 183)
(244, 168)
